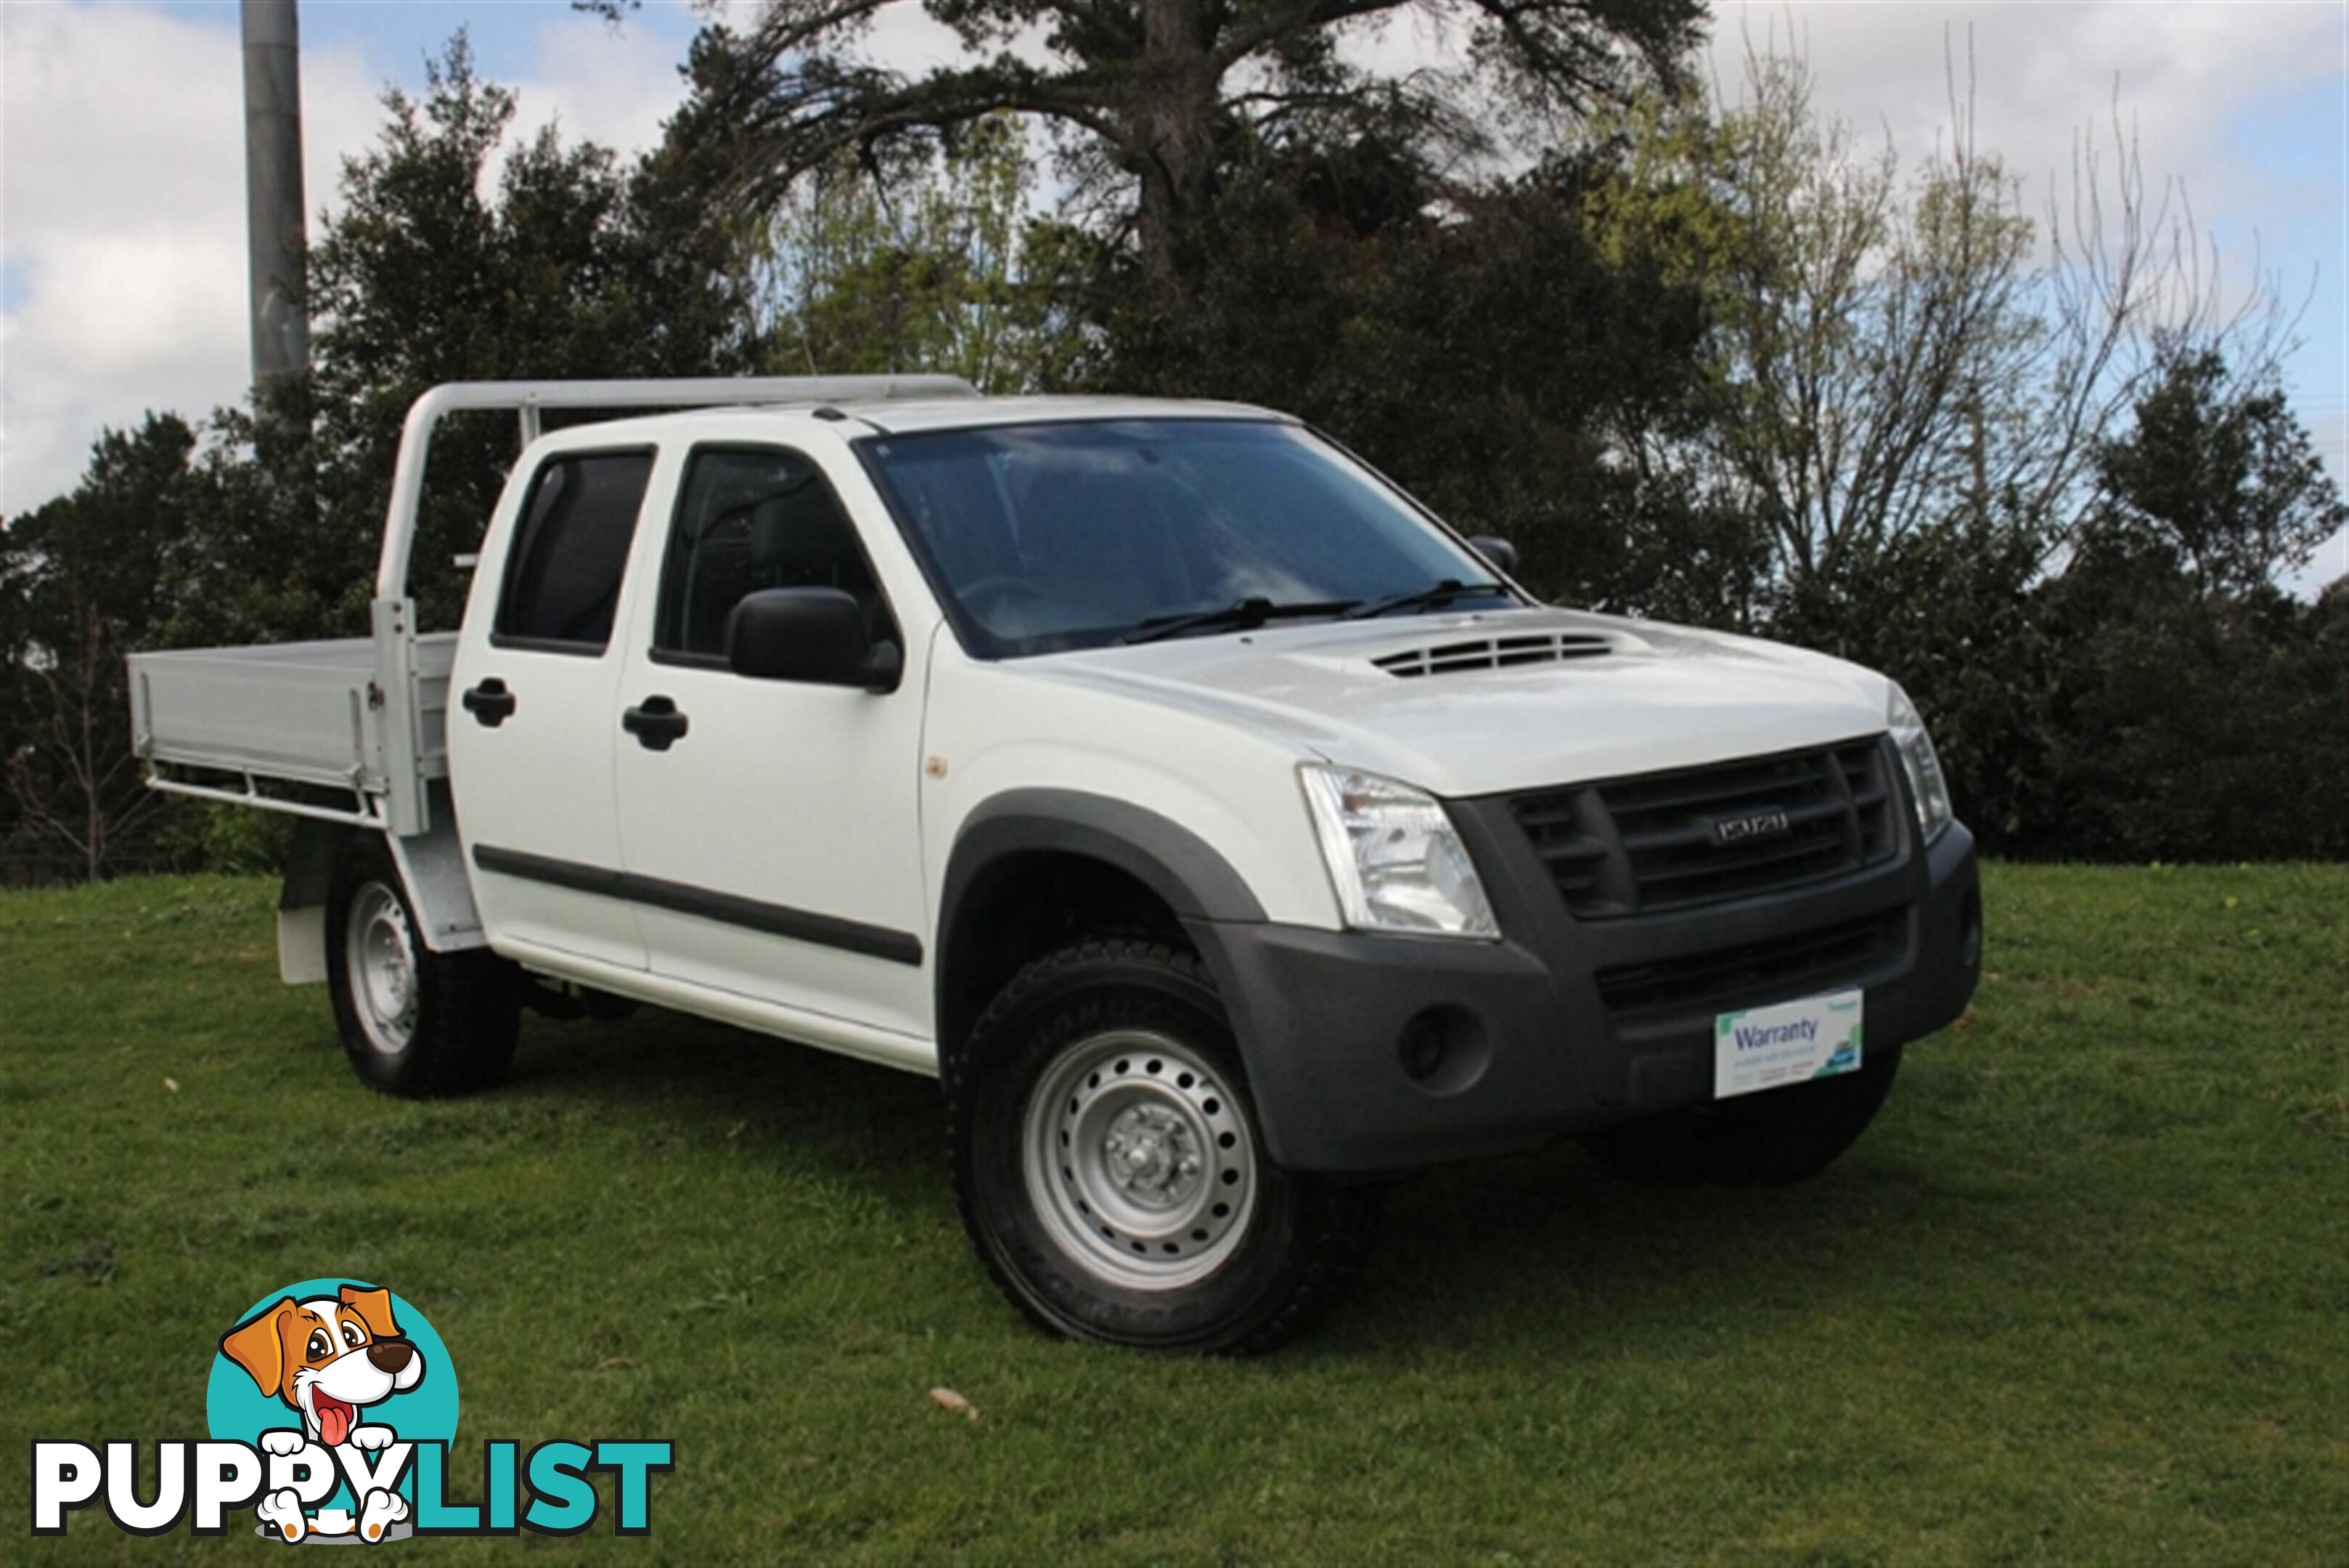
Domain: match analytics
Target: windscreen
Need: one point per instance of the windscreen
(1051, 537)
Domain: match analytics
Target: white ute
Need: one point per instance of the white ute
(1221, 829)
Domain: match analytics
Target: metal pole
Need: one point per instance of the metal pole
(277, 239)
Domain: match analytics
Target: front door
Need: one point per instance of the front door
(769, 827)
(532, 713)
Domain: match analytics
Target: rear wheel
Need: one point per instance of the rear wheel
(413, 1021)
(1764, 1139)
(1110, 1169)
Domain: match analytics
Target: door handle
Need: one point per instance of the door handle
(490, 702)
(657, 724)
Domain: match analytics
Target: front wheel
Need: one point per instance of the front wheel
(1112, 1171)
(414, 1023)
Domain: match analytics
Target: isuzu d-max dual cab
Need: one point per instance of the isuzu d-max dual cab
(1223, 830)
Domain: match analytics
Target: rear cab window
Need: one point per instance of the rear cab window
(569, 553)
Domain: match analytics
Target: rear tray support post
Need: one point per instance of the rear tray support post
(402, 748)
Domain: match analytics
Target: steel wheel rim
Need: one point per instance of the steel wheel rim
(380, 958)
(1138, 1161)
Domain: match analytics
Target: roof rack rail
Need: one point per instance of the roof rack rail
(531, 399)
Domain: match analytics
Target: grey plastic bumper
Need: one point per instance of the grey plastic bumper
(1371, 1054)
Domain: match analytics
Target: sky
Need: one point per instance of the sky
(122, 239)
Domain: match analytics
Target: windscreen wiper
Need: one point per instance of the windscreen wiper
(1245, 614)
(1450, 589)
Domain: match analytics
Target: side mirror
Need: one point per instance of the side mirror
(1498, 552)
(814, 635)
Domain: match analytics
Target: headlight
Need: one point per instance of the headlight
(1926, 785)
(1395, 858)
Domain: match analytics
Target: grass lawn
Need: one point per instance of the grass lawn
(2081, 1294)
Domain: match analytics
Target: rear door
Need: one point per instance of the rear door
(535, 715)
(771, 828)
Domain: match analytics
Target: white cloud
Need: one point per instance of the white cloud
(122, 202)
(613, 88)
(2036, 78)
(121, 180)
(2331, 562)
(2184, 80)
(2180, 75)
(901, 32)
(122, 197)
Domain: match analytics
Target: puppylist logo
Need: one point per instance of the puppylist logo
(332, 1407)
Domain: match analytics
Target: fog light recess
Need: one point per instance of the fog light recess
(1443, 1049)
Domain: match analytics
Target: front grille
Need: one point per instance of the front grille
(1752, 973)
(1656, 842)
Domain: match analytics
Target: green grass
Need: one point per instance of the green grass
(2081, 1294)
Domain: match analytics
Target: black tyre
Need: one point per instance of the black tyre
(1111, 1170)
(413, 1021)
(1764, 1139)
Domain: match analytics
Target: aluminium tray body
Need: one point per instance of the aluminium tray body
(308, 712)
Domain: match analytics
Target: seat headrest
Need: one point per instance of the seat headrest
(799, 530)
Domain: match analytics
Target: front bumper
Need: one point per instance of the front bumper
(1371, 1054)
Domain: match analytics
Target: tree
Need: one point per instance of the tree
(1158, 97)
(456, 255)
(2197, 710)
(1890, 352)
(564, 264)
(1907, 387)
(942, 271)
(2187, 726)
(84, 581)
(2217, 479)
(1491, 360)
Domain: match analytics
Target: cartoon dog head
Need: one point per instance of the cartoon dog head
(326, 1356)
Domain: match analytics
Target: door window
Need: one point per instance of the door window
(748, 519)
(570, 550)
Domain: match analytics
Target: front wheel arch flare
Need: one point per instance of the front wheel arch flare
(1179, 868)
